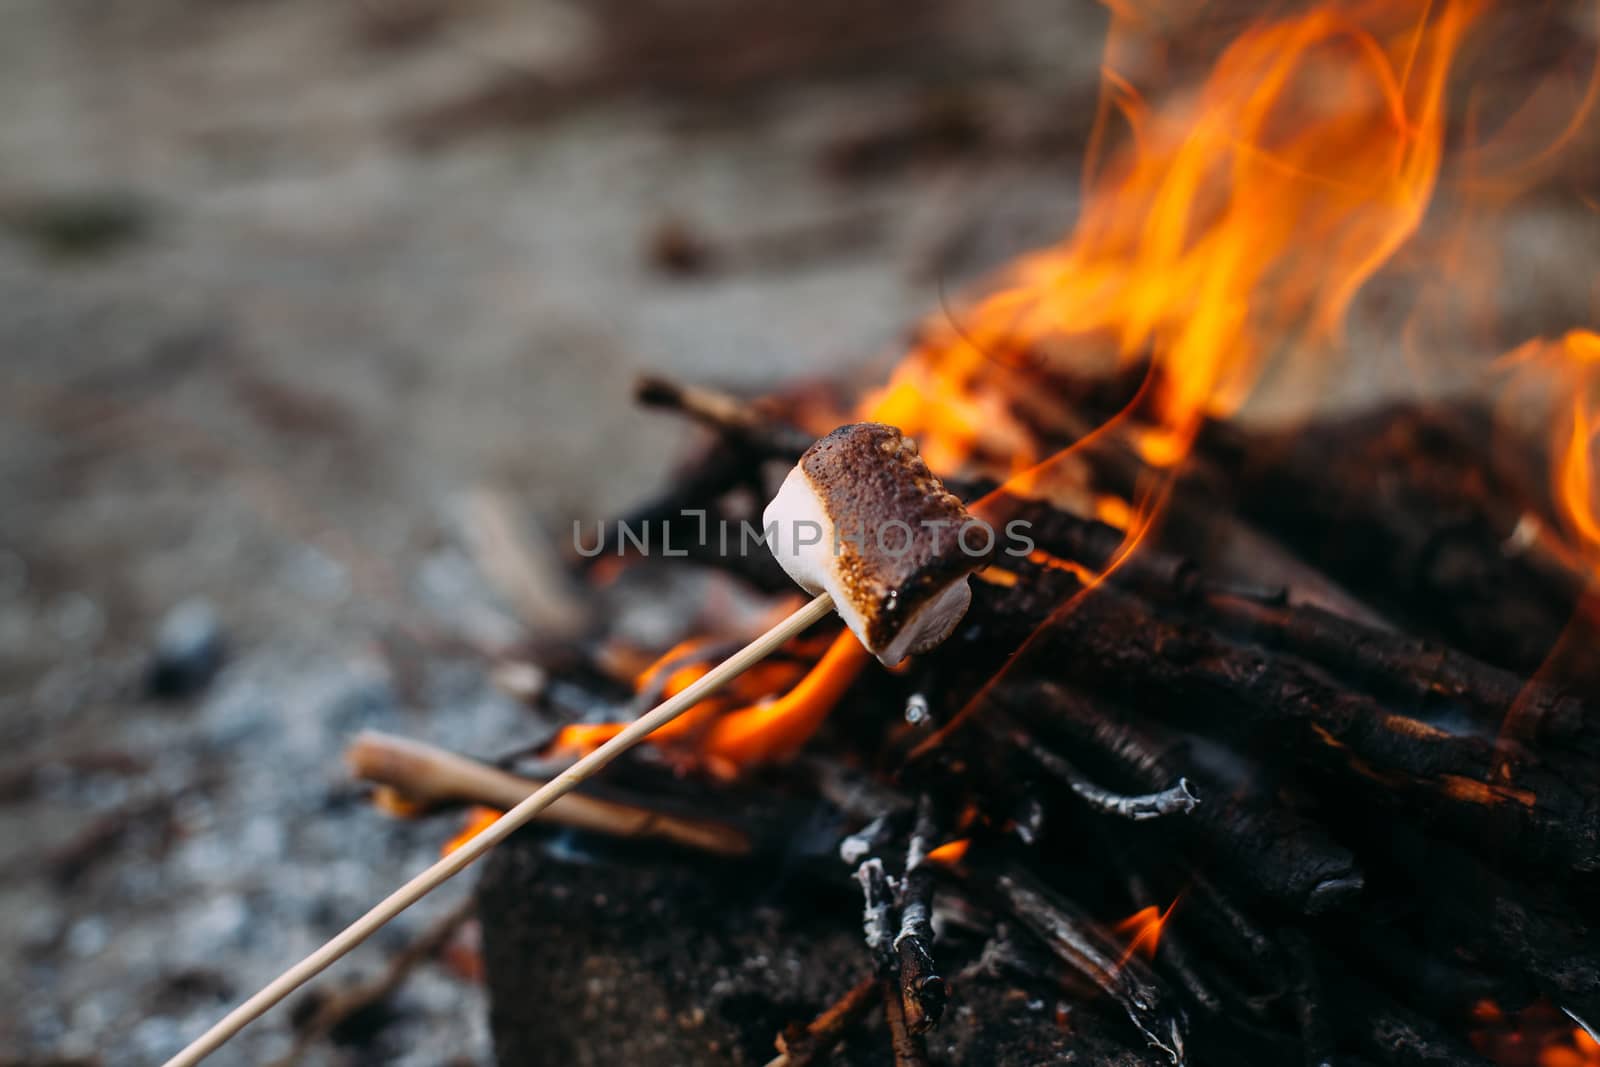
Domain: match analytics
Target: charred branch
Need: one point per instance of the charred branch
(877, 924)
(921, 988)
(1430, 677)
(907, 1047)
(1404, 506)
(1077, 942)
(1531, 928)
(1177, 799)
(1395, 1035)
(1548, 808)
(1275, 852)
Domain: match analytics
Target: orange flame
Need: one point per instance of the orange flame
(1237, 223)
(774, 732)
(478, 820)
(950, 853)
(1575, 466)
(1573, 362)
(1143, 929)
(1229, 231)
(1224, 235)
(730, 736)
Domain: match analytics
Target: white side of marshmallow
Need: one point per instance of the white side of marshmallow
(814, 568)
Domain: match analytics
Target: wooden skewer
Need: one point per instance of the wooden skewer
(498, 831)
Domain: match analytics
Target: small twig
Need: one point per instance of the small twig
(877, 913)
(867, 840)
(347, 1003)
(921, 988)
(877, 920)
(430, 776)
(1177, 799)
(727, 414)
(799, 1046)
(907, 1046)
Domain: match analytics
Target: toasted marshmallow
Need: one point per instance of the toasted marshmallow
(862, 518)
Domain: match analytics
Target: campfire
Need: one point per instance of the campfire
(1264, 739)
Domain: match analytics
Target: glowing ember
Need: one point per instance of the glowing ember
(1538, 1036)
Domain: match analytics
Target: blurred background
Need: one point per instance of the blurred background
(285, 282)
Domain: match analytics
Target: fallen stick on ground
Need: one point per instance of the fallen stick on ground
(431, 776)
(498, 831)
(343, 1005)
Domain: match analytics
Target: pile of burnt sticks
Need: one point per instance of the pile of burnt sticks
(1305, 720)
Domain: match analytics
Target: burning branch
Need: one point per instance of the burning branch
(1076, 942)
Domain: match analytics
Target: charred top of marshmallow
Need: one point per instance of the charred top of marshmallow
(870, 480)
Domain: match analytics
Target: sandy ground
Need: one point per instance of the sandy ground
(277, 285)
(279, 281)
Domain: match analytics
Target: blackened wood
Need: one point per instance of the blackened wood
(1077, 942)
(922, 989)
(1421, 672)
(1546, 809)
(1428, 676)
(1532, 927)
(1307, 993)
(1208, 905)
(877, 924)
(1390, 1033)
(1094, 545)
(1405, 506)
(1272, 850)
(1406, 1039)
(1438, 980)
